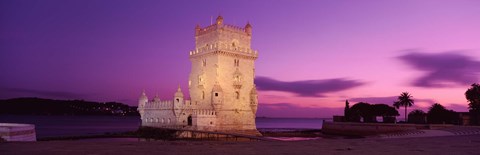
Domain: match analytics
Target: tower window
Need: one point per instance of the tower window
(178, 100)
(236, 62)
(216, 94)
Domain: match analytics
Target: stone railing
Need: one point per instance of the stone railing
(204, 112)
(224, 47)
(214, 27)
(159, 104)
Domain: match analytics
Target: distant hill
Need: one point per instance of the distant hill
(39, 106)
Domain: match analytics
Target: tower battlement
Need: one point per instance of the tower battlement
(223, 35)
(232, 28)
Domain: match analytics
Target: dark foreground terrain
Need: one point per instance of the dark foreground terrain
(428, 145)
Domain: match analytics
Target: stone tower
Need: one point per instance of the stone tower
(222, 75)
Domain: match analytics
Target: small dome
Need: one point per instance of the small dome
(143, 96)
(219, 20)
(248, 28)
(248, 25)
(179, 92)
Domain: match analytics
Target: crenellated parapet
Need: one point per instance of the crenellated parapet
(224, 27)
(167, 104)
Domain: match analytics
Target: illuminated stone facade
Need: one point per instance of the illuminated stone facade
(221, 85)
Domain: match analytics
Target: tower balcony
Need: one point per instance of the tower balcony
(237, 84)
(224, 47)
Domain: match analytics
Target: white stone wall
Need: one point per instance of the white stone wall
(18, 132)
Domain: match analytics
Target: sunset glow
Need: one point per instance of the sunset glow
(313, 55)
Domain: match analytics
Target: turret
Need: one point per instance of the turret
(248, 28)
(219, 20)
(197, 30)
(217, 96)
(178, 103)
(179, 95)
(142, 101)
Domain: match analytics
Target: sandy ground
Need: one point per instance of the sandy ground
(469, 144)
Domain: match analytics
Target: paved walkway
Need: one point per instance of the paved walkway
(434, 133)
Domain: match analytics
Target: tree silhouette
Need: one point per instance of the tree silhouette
(369, 112)
(473, 97)
(438, 114)
(361, 110)
(405, 99)
(417, 116)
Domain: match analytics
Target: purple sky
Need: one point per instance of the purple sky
(313, 54)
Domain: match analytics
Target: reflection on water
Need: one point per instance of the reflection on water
(55, 126)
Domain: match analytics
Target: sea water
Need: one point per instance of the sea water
(59, 126)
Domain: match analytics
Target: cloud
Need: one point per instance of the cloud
(306, 88)
(457, 107)
(291, 110)
(44, 93)
(447, 69)
(375, 100)
(386, 100)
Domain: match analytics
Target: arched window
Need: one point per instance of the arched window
(189, 120)
(203, 94)
(236, 62)
(169, 121)
(163, 120)
(178, 100)
(204, 62)
(237, 95)
(216, 94)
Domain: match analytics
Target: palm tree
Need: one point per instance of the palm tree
(405, 99)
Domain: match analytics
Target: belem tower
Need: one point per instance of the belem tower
(221, 85)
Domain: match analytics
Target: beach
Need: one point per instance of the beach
(466, 144)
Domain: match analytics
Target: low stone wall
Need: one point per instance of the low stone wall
(17, 132)
(365, 129)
